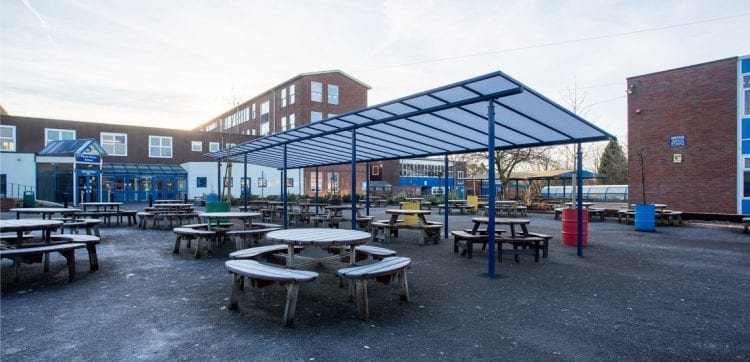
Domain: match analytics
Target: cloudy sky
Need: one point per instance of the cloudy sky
(179, 63)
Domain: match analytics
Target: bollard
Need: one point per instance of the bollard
(150, 200)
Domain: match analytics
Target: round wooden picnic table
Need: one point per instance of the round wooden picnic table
(512, 222)
(319, 238)
(246, 217)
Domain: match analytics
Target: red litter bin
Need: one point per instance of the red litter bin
(570, 227)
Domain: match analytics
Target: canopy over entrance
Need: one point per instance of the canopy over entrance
(448, 120)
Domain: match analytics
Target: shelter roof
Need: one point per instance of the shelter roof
(452, 119)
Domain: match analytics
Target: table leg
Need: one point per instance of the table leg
(290, 256)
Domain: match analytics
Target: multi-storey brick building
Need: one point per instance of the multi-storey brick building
(690, 128)
(303, 99)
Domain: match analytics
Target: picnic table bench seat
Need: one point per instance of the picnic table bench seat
(596, 212)
(627, 214)
(36, 253)
(383, 271)
(382, 230)
(89, 240)
(529, 245)
(326, 221)
(266, 253)
(464, 241)
(255, 235)
(362, 252)
(262, 275)
(671, 217)
(463, 208)
(129, 215)
(545, 243)
(189, 234)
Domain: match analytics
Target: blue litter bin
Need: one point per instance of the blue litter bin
(212, 198)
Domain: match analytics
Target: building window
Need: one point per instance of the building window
(213, 146)
(316, 91)
(201, 182)
(316, 181)
(460, 177)
(7, 138)
(116, 144)
(331, 115)
(283, 97)
(315, 116)
(291, 94)
(230, 145)
(51, 134)
(264, 118)
(375, 171)
(196, 146)
(160, 146)
(253, 111)
(283, 124)
(253, 132)
(333, 94)
(291, 121)
(746, 90)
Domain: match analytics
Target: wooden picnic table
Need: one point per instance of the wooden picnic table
(319, 238)
(396, 213)
(101, 206)
(168, 202)
(245, 217)
(512, 222)
(24, 225)
(45, 212)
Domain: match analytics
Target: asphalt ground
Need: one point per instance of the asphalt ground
(680, 293)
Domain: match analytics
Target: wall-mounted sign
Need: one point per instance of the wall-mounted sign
(289, 182)
(262, 182)
(677, 141)
(677, 158)
(85, 158)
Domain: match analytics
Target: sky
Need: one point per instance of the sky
(176, 64)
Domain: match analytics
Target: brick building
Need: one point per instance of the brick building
(139, 162)
(691, 126)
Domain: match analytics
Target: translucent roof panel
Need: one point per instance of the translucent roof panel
(451, 119)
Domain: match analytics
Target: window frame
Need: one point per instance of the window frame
(316, 91)
(200, 146)
(161, 146)
(214, 146)
(59, 131)
(312, 119)
(283, 97)
(114, 135)
(3, 139)
(333, 94)
(291, 94)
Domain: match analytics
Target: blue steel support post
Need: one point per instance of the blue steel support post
(353, 185)
(445, 194)
(283, 192)
(579, 201)
(244, 183)
(491, 190)
(367, 191)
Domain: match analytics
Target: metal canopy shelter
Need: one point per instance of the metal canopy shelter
(493, 111)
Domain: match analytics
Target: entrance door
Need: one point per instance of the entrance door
(87, 186)
(165, 188)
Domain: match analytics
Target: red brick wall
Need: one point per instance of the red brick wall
(699, 102)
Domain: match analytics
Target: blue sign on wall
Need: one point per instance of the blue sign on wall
(677, 141)
(88, 158)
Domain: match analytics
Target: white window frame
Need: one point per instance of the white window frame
(265, 109)
(160, 146)
(254, 113)
(316, 91)
(314, 115)
(193, 145)
(59, 134)
(8, 143)
(110, 146)
(291, 94)
(333, 94)
(291, 121)
(283, 97)
(213, 146)
(283, 124)
(375, 171)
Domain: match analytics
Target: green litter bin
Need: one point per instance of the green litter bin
(29, 200)
(217, 207)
